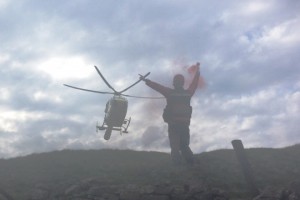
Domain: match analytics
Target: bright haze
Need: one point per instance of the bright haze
(249, 54)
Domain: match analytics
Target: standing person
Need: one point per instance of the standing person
(177, 114)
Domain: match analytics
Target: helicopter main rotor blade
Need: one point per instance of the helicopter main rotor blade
(105, 79)
(141, 78)
(139, 97)
(88, 90)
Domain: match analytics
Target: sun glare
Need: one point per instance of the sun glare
(254, 7)
(3, 3)
(66, 68)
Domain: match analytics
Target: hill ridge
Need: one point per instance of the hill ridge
(59, 170)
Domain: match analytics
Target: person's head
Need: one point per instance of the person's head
(178, 81)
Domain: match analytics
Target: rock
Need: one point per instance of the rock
(163, 189)
(96, 191)
(203, 193)
(148, 189)
(110, 197)
(129, 195)
(179, 193)
(292, 192)
(295, 187)
(39, 194)
(4, 195)
(155, 197)
(73, 189)
(271, 193)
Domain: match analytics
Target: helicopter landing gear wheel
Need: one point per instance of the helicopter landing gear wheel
(107, 133)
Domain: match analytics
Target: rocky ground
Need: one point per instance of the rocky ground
(93, 189)
(130, 175)
(97, 190)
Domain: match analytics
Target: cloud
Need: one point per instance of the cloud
(154, 137)
(265, 118)
(248, 53)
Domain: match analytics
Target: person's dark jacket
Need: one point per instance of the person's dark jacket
(178, 109)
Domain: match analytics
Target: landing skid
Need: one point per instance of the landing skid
(108, 129)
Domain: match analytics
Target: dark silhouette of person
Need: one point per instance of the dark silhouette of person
(177, 114)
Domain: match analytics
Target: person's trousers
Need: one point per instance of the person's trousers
(179, 136)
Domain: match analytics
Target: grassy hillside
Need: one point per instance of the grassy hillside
(57, 170)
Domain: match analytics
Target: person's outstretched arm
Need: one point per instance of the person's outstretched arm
(158, 87)
(193, 86)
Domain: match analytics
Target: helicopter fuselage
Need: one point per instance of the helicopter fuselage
(115, 111)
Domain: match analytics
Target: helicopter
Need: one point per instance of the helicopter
(116, 107)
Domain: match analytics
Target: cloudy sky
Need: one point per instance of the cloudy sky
(249, 54)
